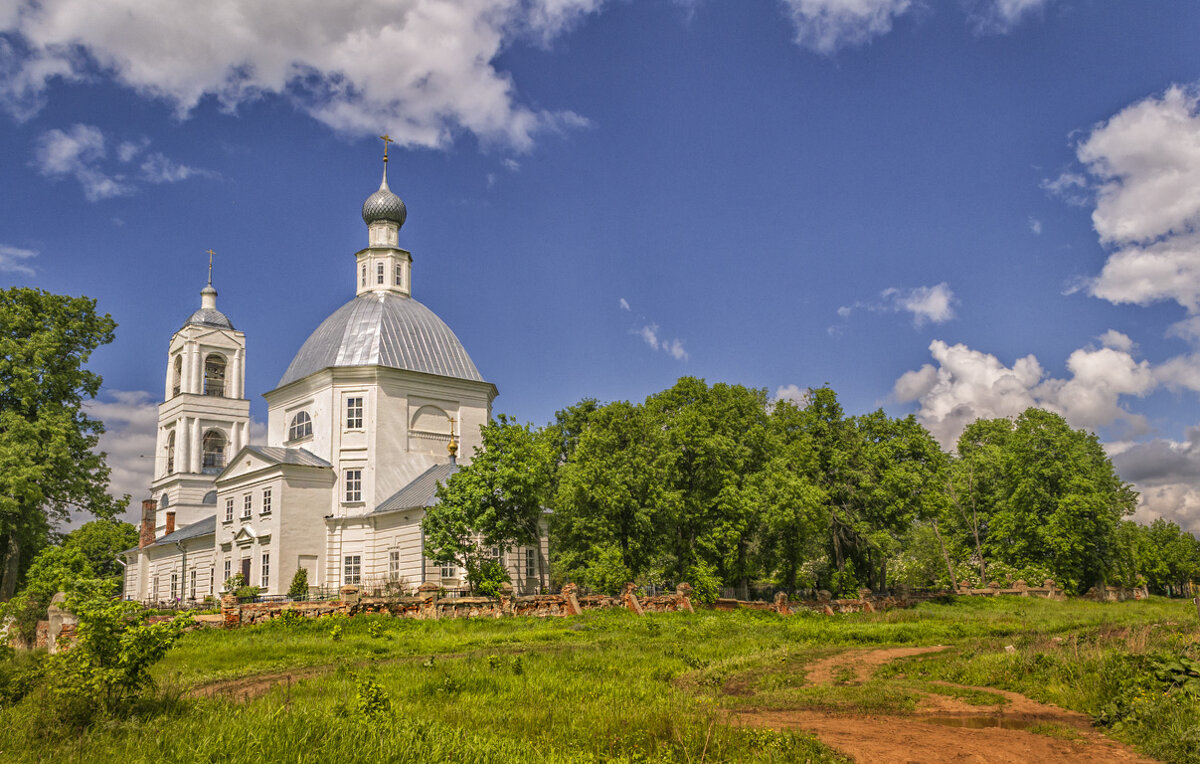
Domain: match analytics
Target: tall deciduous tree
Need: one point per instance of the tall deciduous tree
(48, 462)
(497, 500)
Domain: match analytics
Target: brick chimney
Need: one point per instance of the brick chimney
(146, 534)
(170, 522)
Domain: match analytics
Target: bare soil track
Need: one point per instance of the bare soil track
(945, 729)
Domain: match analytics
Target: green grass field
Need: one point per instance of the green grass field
(610, 686)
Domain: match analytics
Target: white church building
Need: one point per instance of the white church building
(362, 426)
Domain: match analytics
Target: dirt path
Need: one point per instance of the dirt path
(944, 728)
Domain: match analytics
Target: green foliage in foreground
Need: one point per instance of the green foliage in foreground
(610, 686)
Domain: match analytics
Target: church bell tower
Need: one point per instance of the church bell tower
(204, 418)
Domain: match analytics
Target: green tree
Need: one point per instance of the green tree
(498, 500)
(1053, 499)
(101, 541)
(299, 586)
(48, 462)
(55, 569)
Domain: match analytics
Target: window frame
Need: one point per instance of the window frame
(379, 271)
(354, 409)
(399, 275)
(349, 579)
(393, 564)
(265, 509)
(228, 511)
(297, 429)
(228, 570)
(247, 505)
(264, 574)
(352, 486)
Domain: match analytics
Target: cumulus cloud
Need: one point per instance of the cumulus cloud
(624, 304)
(1141, 171)
(1167, 475)
(81, 152)
(793, 393)
(1117, 341)
(927, 304)
(131, 422)
(423, 70)
(826, 26)
(16, 259)
(1035, 226)
(964, 385)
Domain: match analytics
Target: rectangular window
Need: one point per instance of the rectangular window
(174, 586)
(353, 569)
(449, 569)
(229, 512)
(265, 580)
(364, 278)
(212, 574)
(247, 505)
(266, 501)
(154, 591)
(530, 563)
(394, 565)
(228, 567)
(193, 588)
(354, 413)
(399, 275)
(379, 273)
(353, 485)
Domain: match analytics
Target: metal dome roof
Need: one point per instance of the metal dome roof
(383, 329)
(384, 205)
(209, 317)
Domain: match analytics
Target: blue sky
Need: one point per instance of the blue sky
(955, 209)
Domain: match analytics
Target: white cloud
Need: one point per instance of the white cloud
(82, 151)
(510, 164)
(1117, 341)
(1143, 166)
(927, 304)
(1002, 15)
(649, 334)
(964, 385)
(131, 421)
(15, 260)
(793, 393)
(624, 304)
(423, 70)
(1035, 226)
(826, 26)
(78, 152)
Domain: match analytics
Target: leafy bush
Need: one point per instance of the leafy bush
(299, 588)
(234, 582)
(605, 572)
(108, 665)
(706, 584)
(485, 575)
(371, 700)
(55, 569)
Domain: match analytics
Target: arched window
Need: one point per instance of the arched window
(214, 451)
(210, 498)
(164, 501)
(301, 426)
(170, 453)
(364, 276)
(214, 375)
(399, 275)
(176, 376)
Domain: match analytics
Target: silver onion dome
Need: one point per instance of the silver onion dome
(383, 205)
(208, 315)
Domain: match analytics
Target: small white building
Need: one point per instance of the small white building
(361, 428)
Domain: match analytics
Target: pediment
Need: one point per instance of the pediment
(247, 535)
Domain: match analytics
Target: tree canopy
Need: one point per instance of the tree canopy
(49, 465)
(722, 487)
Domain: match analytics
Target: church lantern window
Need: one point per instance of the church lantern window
(170, 453)
(301, 426)
(379, 273)
(364, 275)
(176, 376)
(399, 275)
(214, 375)
(213, 446)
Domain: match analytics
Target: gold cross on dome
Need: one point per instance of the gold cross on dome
(210, 256)
(386, 140)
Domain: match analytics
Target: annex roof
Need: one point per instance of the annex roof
(420, 492)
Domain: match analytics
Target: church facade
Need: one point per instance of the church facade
(365, 422)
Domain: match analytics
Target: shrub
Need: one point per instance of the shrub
(371, 700)
(299, 588)
(485, 576)
(706, 584)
